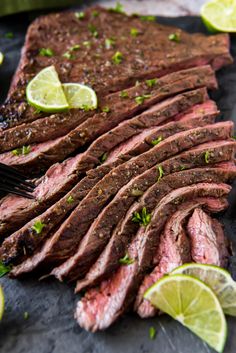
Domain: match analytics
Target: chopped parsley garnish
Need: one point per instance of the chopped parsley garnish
(26, 315)
(141, 99)
(106, 109)
(38, 227)
(22, 151)
(207, 157)
(156, 141)
(9, 35)
(161, 172)
(126, 260)
(143, 218)
(74, 47)
(182, 167)
(174, 37)
(151, 82)
(109, 42)
(118, 8)
(68, 55)
(87, 44)
(152, 332)
(117, 57)
(79, 15)
(134, 32)
(148, 18)
(46, 52)
(86, 108)
(124, 94)
(70, 199)
(95, 13)
(93, 30)
(4, 269)
(103, 157)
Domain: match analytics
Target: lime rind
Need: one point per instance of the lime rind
(2, 303)
(218, 279)
(79, 96)
(219, 15)
(1, 58)
(192, 303)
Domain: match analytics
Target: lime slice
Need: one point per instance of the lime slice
(80, 96)
(45, 92)
(1, 58)
(1, 303)
(193, 304)
(220, 15)
(218, 279)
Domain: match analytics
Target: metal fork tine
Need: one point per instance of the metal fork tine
(10, 172)
(16, 181)
(16, 192)
(15, 184)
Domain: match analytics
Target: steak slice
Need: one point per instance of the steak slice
(53, 251)
(100, 307)
(16, 211)
(12, 248)
(108, 261)
(54, 126)
(173, 251)
(208, 243)
(93, 63)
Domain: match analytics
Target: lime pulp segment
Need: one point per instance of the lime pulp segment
(80, 96)
(220, 15)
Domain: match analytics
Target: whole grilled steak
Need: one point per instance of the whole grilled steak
(108, 261)
(16, 211)
(208, 243)
(82, 217)
(174, 250)
(56, 248)
(100, 307)
(95, 60)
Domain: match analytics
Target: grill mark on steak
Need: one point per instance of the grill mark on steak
(126, 229)
(95, 69)
(208, 243)
(53, 250)
(100, 307)
(84, 214)
(88, 210)
(173, 251)
(16, 211)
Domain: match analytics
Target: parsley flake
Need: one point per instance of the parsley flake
(46, 52)
(68, 55)
(126, 260)
(23, 151)
(74, 47)
(103, 157)
(182, 167)
(148, 18)
(161, 172)
(174, 37)
(38, 227)
(93, 30)
(26, 315)
(143, 218)
(117, 57)
(87, 44)
(118, 8)
(156, 141)
(109, 42)
(80, 15)
(95, 13)
(9, 35)
(106, 109)
(152, 332)
(134, 32)
(124, 94)
(141, 99)
(151, 82)
(207, 157)
(70, 199)
(4, 269)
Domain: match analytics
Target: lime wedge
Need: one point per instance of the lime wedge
(80, 96)
(1, 303)
(219, 15)
(45, 92)
(218, 279)
(1, 58)
(192, 303)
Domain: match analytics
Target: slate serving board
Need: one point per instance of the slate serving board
(50, 327)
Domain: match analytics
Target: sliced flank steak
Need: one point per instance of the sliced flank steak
(175, 249)
(12, 248)
(208, 242)
(107, 65)
(101, 306)
(16, 211)
(56, 250)
(108, 261)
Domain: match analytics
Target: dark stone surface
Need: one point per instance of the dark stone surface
(50, 327)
